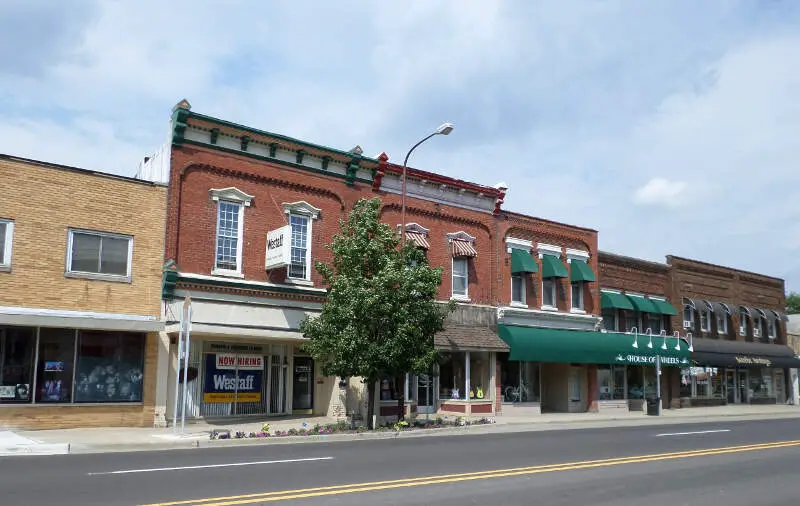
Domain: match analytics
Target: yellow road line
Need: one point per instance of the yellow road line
(479, 475)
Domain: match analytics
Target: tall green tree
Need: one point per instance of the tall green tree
(793, 303)
(380, 314)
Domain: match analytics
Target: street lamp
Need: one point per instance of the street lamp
(443, 129)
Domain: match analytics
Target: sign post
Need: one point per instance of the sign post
(187, 311)
(178, 354)
(658, 384)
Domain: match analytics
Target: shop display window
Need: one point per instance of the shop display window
(611, 382)
(110, 367)
(17, 349)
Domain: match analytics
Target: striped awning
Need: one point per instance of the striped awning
(419, 239)
(463, 249)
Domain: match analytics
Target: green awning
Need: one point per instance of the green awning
(532, 344)
(612, 300)
(522, 261)
(580, 271)
(664, 307)
(642, 305)
(553, 267)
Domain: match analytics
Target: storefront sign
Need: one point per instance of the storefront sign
(229, 347)
(754, 361)
(279, 247)
(650, 360)
(233, 378)
(233, 361)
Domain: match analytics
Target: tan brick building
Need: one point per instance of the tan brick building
(80, 288)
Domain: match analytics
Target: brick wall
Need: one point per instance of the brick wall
(44, 200)
(699, 280)
(537, 231)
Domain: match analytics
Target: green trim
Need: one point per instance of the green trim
(214, 135)
(611, 300)
(180, 118)
(273, 160)
(522, 261)
(643, 305)
(210, 119)
(532, 344)
(553, 267)
(580, 271)
(300, 155)
(352, 171)
(664, 307)
(169, 278)
(245, 142)
(325, 161)
(273, 149)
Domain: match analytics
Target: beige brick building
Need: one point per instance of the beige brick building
(80, 286)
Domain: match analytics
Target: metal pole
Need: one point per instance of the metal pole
(658, 383)
(178, 376)
(403, 192)
(188, 325)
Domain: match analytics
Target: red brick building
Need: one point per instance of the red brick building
(232, 191)
(739, 334)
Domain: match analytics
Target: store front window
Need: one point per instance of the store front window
(17, 348)
(67, 366)
(519, 381)
(453, 374)
(761, 384)
(702, 383)
(635, 377)
(391, 389)
(611, 382)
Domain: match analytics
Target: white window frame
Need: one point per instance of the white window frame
(219, 271)
(757, 325)
(68, 272)
(307, 276)
(704, 311)
(722, 317)
(454, 295)
(523, 302)
(772, 328)
(231, 195)
(688, 309)
(553, 291)
(306, 210)
(5, 265)
(580, 307)
(615, 317)
(743, 323)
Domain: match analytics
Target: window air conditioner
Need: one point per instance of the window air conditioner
(756, 332)
(687, 324)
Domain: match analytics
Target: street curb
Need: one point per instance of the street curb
(35, 449)
(487, 429)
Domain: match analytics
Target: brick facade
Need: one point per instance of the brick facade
(44, 201)
(692, 279)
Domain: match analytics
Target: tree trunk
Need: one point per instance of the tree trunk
(370, 403)
(400, 382)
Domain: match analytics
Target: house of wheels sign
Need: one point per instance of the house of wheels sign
(650, 360)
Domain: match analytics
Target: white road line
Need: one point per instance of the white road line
(211, 466)
(690, 433)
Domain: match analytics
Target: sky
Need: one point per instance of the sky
(672, 127)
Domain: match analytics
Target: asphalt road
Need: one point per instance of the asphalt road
(729, 463)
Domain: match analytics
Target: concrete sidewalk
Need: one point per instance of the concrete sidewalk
(97, 440)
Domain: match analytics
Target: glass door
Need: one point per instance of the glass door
(303, 385)
(743, 386)
(425, 392)
(730, 386)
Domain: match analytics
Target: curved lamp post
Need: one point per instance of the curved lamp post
(444, 129)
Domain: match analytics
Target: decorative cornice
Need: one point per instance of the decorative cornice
(249, 176)
(415, 228)
(453, 218)
(231, 194)
(523, 230)
(576, 254)
(548, 249)
(302, 208)
(508, 315)
(604, 257)
(523, 244)
(461, 236)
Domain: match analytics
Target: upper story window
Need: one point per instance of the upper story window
(580, 273)
(772, 328)
(688, 316)
(655, 322)
(756, 326)
(743, 315)
(577, 295)
(100, 255)
(552, 270)
(722, 323)
(611, 320)
(462, 249)
(230, 230)
(6, 239)
(301, 218)
(522, 265)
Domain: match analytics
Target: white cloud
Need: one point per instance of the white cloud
(661, 192)
(584, 111)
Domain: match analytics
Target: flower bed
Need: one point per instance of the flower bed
(346, 428)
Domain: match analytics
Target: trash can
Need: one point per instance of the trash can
(653, 403)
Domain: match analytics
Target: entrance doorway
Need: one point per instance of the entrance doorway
(303, 386)
(425, 394)
(744, 386)
(736, 386)
(730, 387)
